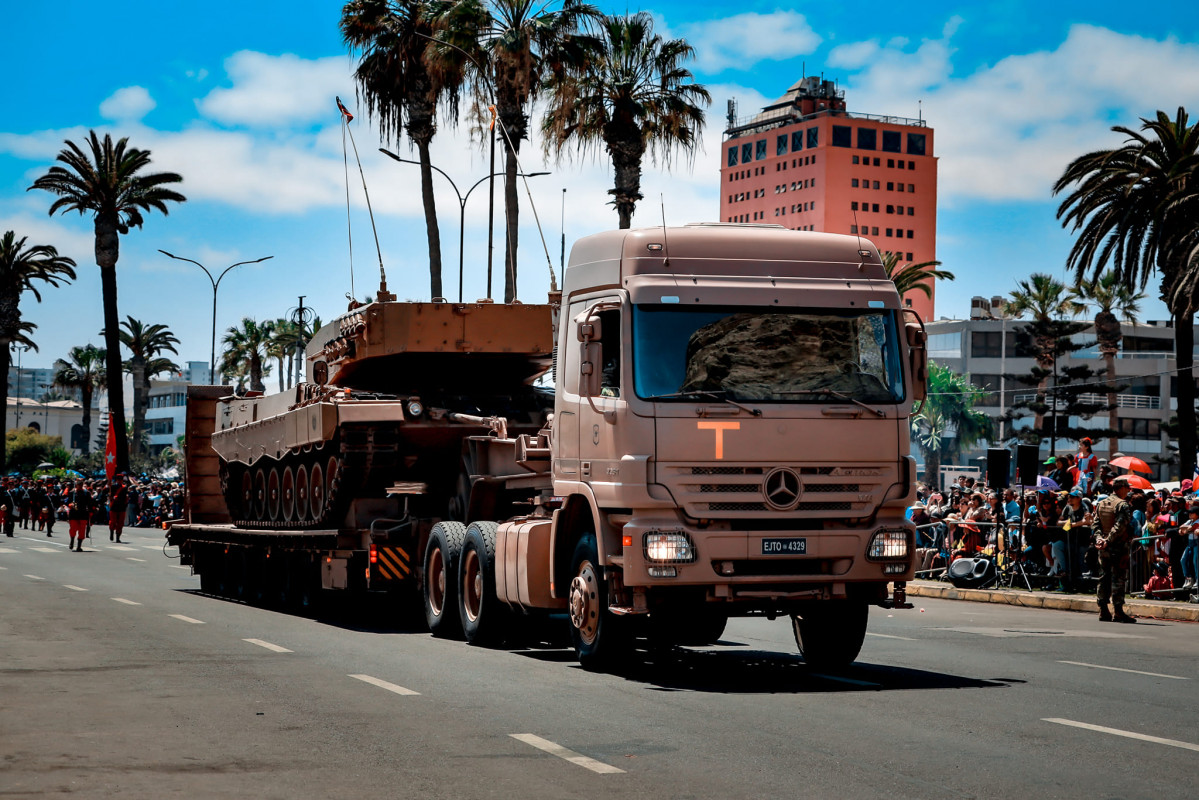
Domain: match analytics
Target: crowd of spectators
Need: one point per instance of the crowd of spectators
(37, 504)
(1049, 530)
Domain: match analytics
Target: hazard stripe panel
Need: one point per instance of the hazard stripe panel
(393, 563)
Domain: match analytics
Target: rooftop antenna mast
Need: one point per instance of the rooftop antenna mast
(665, 244)
(346, 118)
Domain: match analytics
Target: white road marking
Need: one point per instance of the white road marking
(187, 619)
(565, 754)
(35, 578)
(126, 602)
(44, 550)
(152, 546)
(839, 679)
(1122, 669)
(391, 687)
(1126, 734)
(1076, 633)
(268, 645)
(179, 566)
(131, 558)
(889, 636)
(121, 547)
(73, 588)
(6, 550)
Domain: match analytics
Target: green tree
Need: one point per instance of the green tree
(507, 49)
(26, 448)
(246, 348)
(913, 277)
(83, 369)
(1045, 299)
(948, 422)
(111, 183)
(1113, 302)
(21, 269)
(146, 344)
(1135, 208)
(402, 86)
(285, 336)
(631, 93)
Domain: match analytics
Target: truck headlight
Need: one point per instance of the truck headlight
(415, 407)
(888, 543)
(672, 547)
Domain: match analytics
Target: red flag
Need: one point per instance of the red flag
(110, 450)
(349, 117)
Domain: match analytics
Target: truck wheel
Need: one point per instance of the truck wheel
(440, 584)
(830, 634)
(598, 637)
(484, 617)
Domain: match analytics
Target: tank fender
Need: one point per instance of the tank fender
(577, 515)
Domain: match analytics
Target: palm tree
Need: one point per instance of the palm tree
(631, 93)
(112, 185)
(1135, 207)
(282, 347)
(83, 369)
(247, 345)
(20, 268)
(948, 421)
(511, 47)
(145, 344)
(914, 277)
(402, 86)
(1045, 299)
(1113, 302)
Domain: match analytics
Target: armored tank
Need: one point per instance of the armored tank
(392, 390)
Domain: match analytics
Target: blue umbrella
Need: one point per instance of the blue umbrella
(74, 473)
(1043, 482)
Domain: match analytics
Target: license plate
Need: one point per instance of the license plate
(787, 547)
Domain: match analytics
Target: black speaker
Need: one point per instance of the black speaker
(1028, 464)
(971, 573)
(999, 461)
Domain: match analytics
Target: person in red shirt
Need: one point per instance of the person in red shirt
(118, 503)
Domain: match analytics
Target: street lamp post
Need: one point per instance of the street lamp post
(215, 284)
(461, 206)
(21, 349)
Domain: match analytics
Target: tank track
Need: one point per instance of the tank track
(309, 488)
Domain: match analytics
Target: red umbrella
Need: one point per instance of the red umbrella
(1137, 482)
(1132, 463)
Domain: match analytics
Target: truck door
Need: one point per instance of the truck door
(600, 448)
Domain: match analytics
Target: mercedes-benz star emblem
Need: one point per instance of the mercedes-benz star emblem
(781, 489)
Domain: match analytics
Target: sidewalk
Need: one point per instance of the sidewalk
(1158, 609)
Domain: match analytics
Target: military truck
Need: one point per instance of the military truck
(709, 421)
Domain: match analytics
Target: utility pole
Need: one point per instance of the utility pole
(562, 227)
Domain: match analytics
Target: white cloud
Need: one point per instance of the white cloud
(275, 91)
(128, 104)
(743, 40)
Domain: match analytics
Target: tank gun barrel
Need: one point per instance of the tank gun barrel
(498, 425)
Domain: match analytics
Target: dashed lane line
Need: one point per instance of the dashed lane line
(566, 755)
(382, 684)
(274, 647)
(44, 550)
(73, 588)
(889, 636)
(186, 619)
(126, 602)
(152, 546)
(179, 566)
(35, 577)
(1144, 737)
(131, 558)
(1122, 669)
(121, 547)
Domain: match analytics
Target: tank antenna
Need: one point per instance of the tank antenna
(862, 252)
(346, 117)
(665, 244)
(345, 157)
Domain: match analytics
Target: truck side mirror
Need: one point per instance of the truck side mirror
(590, 369)
(918, 357)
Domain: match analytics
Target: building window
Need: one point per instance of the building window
(876, 162)
(733, 156)
(891, 140)
(911, 165)
(888, 231)
(899, 210)
(901, 187)
(747, 153)
(813, 137)
(890, 209)
(890, 186)
(901, 163)
(945, 345)
(875, 185)
(916, 144)
(856, 159)
(873, 231)
(780, 145)
(909, 234)
(842, 136)
(853, 182)
(796, 141)
(875, 209)
(853, 228)
(854, 206)
(986, 344)
(989, 384)
(911, 188)
(1140, 429)
(867, 139)
(890, 163)
(911, 211)
(909, 256)
(160, 427)
(759, 150)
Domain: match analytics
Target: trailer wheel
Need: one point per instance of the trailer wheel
(484, 617)
(830, 634)
(287, 506)
(439, 586)
(245, 495)
(316, 492)
(598, 637)
(274, 494)
(259, 493)
(301, 511)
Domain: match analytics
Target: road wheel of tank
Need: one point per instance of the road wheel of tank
(287, 494)
(259, 494)
(245, 496)
(830, 634)
(316, 492)
(274, 494)
(484, 616)
(439, 587)
(598, 636)
(301, 509)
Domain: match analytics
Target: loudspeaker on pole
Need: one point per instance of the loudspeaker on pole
(999, 461)
(1028, 463)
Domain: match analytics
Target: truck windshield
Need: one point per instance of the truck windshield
(757, 354)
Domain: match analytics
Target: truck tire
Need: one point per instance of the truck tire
(483, 615)
(830, 634)
(440, 584)
(598, 636)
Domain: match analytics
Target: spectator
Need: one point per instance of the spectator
(1086, 463)
(1190, 553)
(1159, 583)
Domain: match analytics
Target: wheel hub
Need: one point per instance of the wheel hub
(584, 602)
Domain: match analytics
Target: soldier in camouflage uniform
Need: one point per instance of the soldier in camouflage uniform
(1115, 532)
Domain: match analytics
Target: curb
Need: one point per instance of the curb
(1183, 612)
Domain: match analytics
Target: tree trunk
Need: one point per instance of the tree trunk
(107, 251)
(291, 360)
(87, 394)
(5, 363)
(279, 358)
(137, 369)
(1184, 343)
(932, 467)
(432, 231)
(256, 384)
(511, 218)
(626, 164)
(1113, 414)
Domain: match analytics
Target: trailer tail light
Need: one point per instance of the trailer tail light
(374, 554)
(627, 541)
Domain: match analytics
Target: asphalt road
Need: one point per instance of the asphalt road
(117, 678)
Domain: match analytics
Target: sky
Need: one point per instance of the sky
(239, 100)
